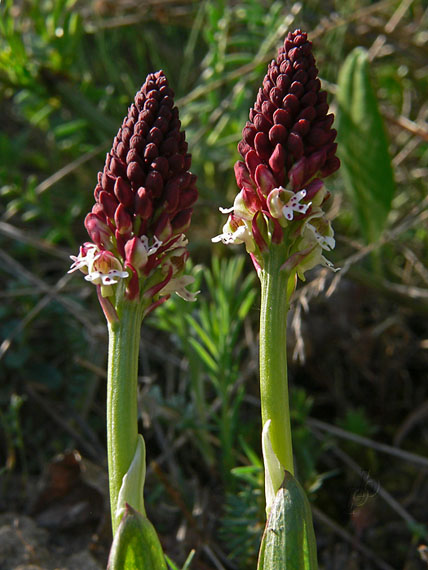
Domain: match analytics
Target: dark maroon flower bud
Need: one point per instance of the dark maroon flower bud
(181, 221)
(289, 120)
(147, 152)
(108, 202)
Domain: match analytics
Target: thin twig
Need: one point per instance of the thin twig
(328, 522)
(382, 447)
(11, 231)
(376, 487)
(70, 167)
(418, 215)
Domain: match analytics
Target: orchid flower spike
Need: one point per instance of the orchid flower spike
(143, 204)
(288, 149)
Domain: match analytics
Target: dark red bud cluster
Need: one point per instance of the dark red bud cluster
(289, 129)
(146, 187)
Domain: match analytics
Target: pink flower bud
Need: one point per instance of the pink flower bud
(265, 179)
(123, 220)
(258, 221)
(98, 231)
(242, 175)
(136, 253)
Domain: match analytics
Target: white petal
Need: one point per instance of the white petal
(300, 194)
(178, 286)
(288, 212)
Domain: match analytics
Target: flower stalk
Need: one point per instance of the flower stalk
(122, 413)
(273, 355)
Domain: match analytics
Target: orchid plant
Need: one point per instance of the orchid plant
(287, 148)
(143, 206)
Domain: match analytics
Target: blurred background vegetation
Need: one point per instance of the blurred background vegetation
(358, 347)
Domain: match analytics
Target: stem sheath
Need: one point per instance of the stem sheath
(122, 415)
(273, 355)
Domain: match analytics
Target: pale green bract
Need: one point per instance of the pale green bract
(289, 541)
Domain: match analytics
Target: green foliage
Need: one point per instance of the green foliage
(307, 449)
(363, 146)
(356, 421)
(185, 566)
(244, 511)
(209, 335)
(11, 424)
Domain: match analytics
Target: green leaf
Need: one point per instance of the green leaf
(204, 356)
(136, 545)
(288, 541)
(363, 146)
(186, 565)
(204, 336)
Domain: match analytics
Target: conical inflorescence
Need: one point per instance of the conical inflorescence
(143, 203)
(287, 148)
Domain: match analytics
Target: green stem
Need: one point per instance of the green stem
(122, 414)
(273, 355)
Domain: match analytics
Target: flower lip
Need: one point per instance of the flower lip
(226, 210)
(278, 209)
(293, 205)
(178, 285)
(236, 232)
(110, 278)
(326, 242)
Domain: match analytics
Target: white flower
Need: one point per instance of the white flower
(327, 242)
(178, 285)
(236, 234)
(151, 249)
(293, 205)
(87, 254)
(278, 209)
(100, 267)
(181, 242)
